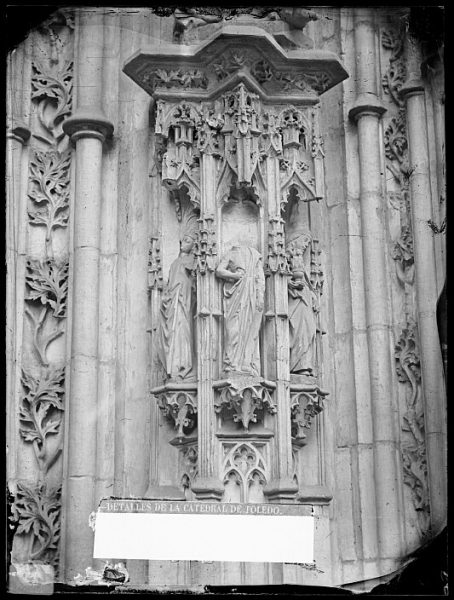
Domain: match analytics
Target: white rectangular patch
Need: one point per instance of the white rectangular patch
(204, 537)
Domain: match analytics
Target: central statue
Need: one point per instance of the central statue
(244, 288)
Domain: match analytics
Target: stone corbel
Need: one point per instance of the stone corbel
(245, 399)
(305, 404)
(179, 404)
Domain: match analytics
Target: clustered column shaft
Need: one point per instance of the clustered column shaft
(367, 112)
(88, 129)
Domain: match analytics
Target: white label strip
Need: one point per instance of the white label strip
(245, 538)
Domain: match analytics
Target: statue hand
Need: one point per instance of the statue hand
(233, 276)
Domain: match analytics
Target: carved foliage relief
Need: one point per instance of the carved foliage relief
(407, 347)
(36, 507)
(413, 447)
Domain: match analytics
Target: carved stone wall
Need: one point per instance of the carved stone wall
(225, 246)
(39, 213)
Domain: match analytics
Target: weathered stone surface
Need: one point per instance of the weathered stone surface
(225, 246)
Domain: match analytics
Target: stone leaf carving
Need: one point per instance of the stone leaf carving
(47, 285)
(181, 408)
(271, 138)
(42, 337)
(317, 276)
(49, 191)
(209, 140)
(403, 255)
(36, 512)
(304, 406)
(155, 280)
(244, 289)
(245, 400)
(267, 75)
(40, 413)
(174, 78)
(205, 246)
(277, 254)
(393, 78)
(53, 91)
(396, 145)
(47, 282)
(414, 459)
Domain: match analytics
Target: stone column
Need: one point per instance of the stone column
(88, 129)
(426, 287)
(281, 487)
(207, 486)
(16, 137)
(367, 112)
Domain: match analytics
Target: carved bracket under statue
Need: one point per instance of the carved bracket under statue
(246, 398)
(306, 402)
(179, 404)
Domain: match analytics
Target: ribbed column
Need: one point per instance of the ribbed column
(88, 129)
(281, 487)
(16, 137)
(426, 289)
(367, 112)
(207, 484)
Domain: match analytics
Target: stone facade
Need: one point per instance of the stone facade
(225, 248)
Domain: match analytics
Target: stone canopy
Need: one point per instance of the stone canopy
(233, 54)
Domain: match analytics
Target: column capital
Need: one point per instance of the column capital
(18, 131)
(413, 83)
(366, 104)
(411, 86)
(88, 122)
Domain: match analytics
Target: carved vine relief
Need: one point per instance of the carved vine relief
(407, 348)
(36, 507)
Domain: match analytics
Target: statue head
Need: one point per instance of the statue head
(188, 235)
(298, 241)
(187, 243)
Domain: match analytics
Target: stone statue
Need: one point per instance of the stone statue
(244, 288)
(176, 326)
(303, 308)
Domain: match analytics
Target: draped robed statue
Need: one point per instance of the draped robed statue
(176, 324)
(241, 270)
(302, 307)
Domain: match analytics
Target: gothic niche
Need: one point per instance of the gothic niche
(305, 286)
(242, 396)
(237, 144)
(175, 332)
